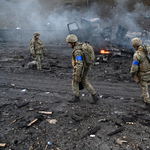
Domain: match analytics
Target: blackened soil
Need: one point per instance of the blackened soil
(80, 126)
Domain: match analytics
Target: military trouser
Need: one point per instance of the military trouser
(145, 94)
(85, 83)
(38, 59)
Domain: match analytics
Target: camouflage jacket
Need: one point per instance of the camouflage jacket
(77, 60)
(36, 47)
(140, 65)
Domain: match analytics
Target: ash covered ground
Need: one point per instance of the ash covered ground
(116, 122)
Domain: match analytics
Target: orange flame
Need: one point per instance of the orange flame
(104, 52)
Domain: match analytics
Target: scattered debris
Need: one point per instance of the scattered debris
(49, 143)
(18, 28)
(47, 92)
(145, 123)
(17, 119)
(23, 105)
(73, 120)
(3, 105)
(96, 63)
(38, 117)
(24, 90)
(31, 109)
(101, 96)
(22, 140)
(77, 118)
(52, 121)
(102, 120)
(92, 131)
(13, 84)
(45, 112)
(5, 113)
(32, 65)
(118, 124)
(128, 119)
(31, 147)
(118, 141)
(2, 144)
(116, 131)
(92, 135)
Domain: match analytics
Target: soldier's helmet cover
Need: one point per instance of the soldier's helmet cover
(136, 42)
(36, 34)
(71, 38)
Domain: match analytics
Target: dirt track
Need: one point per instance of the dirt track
(24, 92)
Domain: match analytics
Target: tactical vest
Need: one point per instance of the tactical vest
(37, 46)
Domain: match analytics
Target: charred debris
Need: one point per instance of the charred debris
(106, 43)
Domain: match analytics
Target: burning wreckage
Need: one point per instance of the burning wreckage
(104, 44)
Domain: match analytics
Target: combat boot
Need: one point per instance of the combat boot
(95, 98)
(75, 99)
(145, 106)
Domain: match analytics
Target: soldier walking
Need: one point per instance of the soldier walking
(37, 50)
(140, 69)
(80, 70)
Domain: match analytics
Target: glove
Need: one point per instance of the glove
(136, 79)
(77, 79)
(81, 87)
(33, 55)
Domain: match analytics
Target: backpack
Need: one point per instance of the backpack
(88, 52)
(147, 51)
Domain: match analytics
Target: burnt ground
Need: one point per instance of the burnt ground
(81, 126)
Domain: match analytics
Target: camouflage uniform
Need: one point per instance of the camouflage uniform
(141, 68)
(36, 49)
(80, 70)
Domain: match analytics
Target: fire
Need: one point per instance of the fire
(104, 52)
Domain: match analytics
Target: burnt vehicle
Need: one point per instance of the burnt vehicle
(89, 31)
(101, 39)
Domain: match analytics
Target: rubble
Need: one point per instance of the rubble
(120, 142)
(52, 121)
(116, 131)
(116, 115)
(37, 117)
(2, 144)
(92, 131)
(32, 65)
(45, 112)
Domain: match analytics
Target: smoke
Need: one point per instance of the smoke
(23, 14)
(33, 15)
(44, 15)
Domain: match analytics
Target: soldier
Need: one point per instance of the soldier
(140, 69)
(36, 49)
(80, 70)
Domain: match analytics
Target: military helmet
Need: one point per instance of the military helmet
(136, 42)
(36, 34)
(71, 38)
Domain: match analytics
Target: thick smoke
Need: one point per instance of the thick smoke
(40, 15)
(33, 15)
